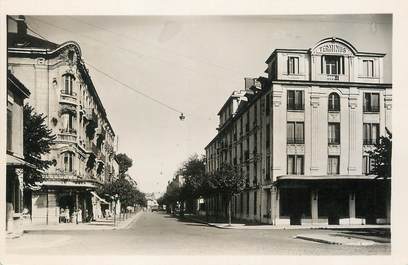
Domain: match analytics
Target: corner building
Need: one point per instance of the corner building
(84, 151)
(301, 138)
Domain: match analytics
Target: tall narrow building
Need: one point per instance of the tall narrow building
(84, 153)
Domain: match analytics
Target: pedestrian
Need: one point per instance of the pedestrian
(67, 215)
(79, 215)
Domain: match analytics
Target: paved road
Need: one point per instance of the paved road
(161, 234)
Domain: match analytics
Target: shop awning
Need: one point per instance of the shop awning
(99, 198)
(17, 162)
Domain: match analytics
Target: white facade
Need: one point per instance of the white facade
(306, 133)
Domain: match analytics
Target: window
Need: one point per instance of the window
(371, 102)
(295, 165)
(68, 81)
(295, 132)
(332, 65)
(295, 100)
(293, 65)
(255, 202)
(334, 133)
(368, 165)
(334, 102)
(9, 130)
(333, 165)
(370, 133)
(67, 122)
(368, 68)
(68, 161)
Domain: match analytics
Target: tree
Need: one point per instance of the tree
(124, 163)
(38, 139)
(381, 155)
(227, 181)
(128, 194)
(193, 171)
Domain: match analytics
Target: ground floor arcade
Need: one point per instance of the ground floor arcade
(310, 201)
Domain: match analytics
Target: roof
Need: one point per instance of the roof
(15, 40)
(13, 82)
(17, 162)
(30, 46)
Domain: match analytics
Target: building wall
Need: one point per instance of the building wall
(271, 127)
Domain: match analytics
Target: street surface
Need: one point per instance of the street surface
(161, 234)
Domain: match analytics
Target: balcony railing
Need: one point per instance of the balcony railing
(370, 141)
(70, 97)
(332, 77)
(70, 176)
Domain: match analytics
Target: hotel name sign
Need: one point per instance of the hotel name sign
(332, 48)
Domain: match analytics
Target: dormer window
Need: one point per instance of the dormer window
(332, 65)
(368, 68)
(293, 65)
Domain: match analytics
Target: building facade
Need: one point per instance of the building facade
(16, 94)
(301, 136)
(84, 152)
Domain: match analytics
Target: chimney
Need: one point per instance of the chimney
(21, 26)
(249, 82)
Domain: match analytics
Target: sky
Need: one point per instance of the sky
(191, 64)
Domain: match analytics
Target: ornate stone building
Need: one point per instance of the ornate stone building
(301, 138)
(62, 89)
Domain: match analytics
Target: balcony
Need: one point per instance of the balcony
(66, 97)
(332, 77)
(67, 135)
(71, 178)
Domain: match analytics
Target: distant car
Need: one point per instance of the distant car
(154, 208)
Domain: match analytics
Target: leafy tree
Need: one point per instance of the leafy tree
(38, 139)
(193, 171)
(381, 155)
(128, 194)
(227, 181)
(124, 162)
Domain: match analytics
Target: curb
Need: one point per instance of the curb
(362, 243)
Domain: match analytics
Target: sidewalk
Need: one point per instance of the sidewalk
(279, 227)
(100, 224)
(336, 239)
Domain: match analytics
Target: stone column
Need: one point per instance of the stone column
(352, 205)
(274, 205)
(355, 134)
(314, 197)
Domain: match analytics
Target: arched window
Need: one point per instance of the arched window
(334, 102)
(68, 159)
(68, 84)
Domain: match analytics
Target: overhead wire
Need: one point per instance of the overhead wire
(182, 117)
